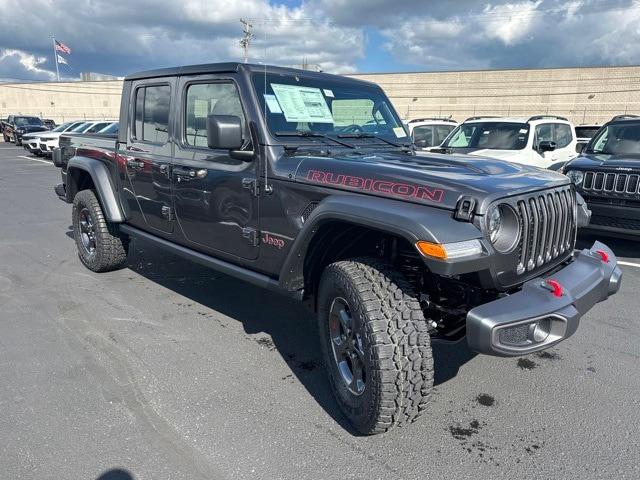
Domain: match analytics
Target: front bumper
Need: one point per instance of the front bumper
(534, 318)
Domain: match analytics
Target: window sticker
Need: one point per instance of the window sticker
(272, 103)
(399, 131)
(302, 104)
(328, 93)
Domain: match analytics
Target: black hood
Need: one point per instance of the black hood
(32, 128)
(616, 163)
(437, 180)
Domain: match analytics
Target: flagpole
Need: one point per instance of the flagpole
(55, 57)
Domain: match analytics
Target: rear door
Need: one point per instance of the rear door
(146, 156)
(215, 207)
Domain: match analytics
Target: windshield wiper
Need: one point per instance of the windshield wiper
(307, 133)
(370, 135)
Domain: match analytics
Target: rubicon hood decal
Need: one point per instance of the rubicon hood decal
(437, 180)
(384, 187)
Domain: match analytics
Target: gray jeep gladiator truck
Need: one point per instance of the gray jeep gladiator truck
(308, 184)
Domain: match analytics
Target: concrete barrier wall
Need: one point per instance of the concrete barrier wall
(584, 95)
(62, 101)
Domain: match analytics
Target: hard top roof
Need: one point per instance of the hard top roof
(231, 67)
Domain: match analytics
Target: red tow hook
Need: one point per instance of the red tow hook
(603, 255)
(554, 287)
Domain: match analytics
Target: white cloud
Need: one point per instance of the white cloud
(18, 64)
(110, 35)
(510, 22)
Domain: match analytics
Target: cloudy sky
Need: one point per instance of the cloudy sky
(123, 36)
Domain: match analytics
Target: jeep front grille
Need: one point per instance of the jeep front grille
(625, 183)
(547, 227)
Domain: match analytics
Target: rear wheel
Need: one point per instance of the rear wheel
(375, 344)
(100, 247)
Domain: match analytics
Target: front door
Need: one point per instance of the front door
(146, 158)
(215, 206)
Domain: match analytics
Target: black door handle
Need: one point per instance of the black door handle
(184, 173)
(134, 164)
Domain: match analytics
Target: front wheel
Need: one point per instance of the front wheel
(100, 247)
(375, 344)
(16, 141)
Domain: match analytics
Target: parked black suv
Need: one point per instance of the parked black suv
(307, 184)
(607, 175)
(18, 125)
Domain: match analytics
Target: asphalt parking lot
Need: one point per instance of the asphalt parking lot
(168, 370)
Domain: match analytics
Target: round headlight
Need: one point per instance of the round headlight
(503, 227)
(575, 176)
(494, 223)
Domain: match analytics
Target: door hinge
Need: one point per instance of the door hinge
(167, 212)
(252, 235)
(251, 184)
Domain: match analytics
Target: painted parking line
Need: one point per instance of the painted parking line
(629, 264)
(35, 159)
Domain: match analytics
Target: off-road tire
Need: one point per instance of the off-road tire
(110, 247)
(16, 142)
(396, 344)
(5, 138)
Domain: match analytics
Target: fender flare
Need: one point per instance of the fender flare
(103, 182)
(407, 220)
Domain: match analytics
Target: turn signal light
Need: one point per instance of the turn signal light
(450, 251)
(434, 250)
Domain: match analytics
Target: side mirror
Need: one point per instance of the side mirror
(224, 131)
(421, 143)
(580, 147)
(546, 146)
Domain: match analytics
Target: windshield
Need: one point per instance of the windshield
(617, 139)
(113, 128)
(81, 127)
(489, 135)
(22, 121)
(586, 132)
(430, 135)
(323, 106)
(62, 128)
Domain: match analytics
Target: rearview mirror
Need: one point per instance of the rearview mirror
(224, 131)
(546, 146)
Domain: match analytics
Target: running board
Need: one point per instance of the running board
(227, 268)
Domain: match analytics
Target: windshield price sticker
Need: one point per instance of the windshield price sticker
(302, 104)
(272, 103)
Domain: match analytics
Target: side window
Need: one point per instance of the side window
(563, 135)
(424, 133)
(139, 109)
(152, 113)
(441, 132)
(544, 133)
(204, 99)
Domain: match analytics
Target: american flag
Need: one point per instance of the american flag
(61, 47)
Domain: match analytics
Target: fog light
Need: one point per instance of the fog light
(539, 331)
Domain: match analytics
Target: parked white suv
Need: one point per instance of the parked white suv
(541, 141)
(430, 132)
(50, 141)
